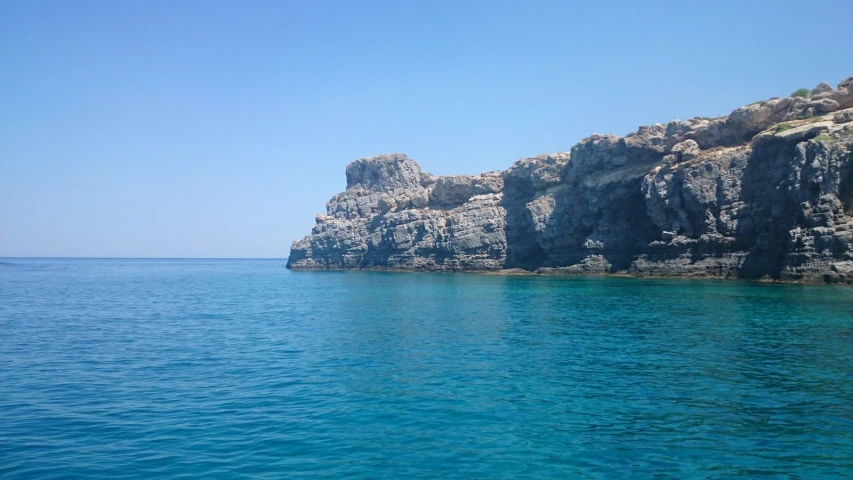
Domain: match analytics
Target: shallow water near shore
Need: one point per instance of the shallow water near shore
(241, 368)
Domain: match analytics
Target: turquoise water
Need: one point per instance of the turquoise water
(230, 369)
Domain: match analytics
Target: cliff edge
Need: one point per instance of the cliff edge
(765, 192)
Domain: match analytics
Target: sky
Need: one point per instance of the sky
(149, 128)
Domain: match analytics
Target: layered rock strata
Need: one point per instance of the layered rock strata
(765, 192)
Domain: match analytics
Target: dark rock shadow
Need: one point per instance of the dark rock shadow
(522, 249)
(770, 212)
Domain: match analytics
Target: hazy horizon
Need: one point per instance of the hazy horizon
(140, 258)
(219, 129)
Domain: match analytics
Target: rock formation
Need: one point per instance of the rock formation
(766, 192)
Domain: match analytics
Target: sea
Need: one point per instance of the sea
(148, 368)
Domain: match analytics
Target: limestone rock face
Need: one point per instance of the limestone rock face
(765, 192)
(384, 172)
(392, 215)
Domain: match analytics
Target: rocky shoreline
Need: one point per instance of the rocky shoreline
(763, 193)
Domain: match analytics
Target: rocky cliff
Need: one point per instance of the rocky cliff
(765, 192)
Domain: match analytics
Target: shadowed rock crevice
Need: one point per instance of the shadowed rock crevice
(765, 192)
(845, 188)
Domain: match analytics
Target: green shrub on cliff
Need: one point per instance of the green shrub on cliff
(802, 93)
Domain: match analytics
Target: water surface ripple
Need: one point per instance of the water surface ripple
(242, 369)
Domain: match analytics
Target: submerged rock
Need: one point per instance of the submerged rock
(766, 192)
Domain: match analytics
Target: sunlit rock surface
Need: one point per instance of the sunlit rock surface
(766, 192)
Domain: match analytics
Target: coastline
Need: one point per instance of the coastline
(764, 193)
(559, 273)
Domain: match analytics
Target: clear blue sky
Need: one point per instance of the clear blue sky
(220, 128)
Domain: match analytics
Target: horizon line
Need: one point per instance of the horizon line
(138, 258)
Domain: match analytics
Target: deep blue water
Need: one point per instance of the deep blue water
(229, 369)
